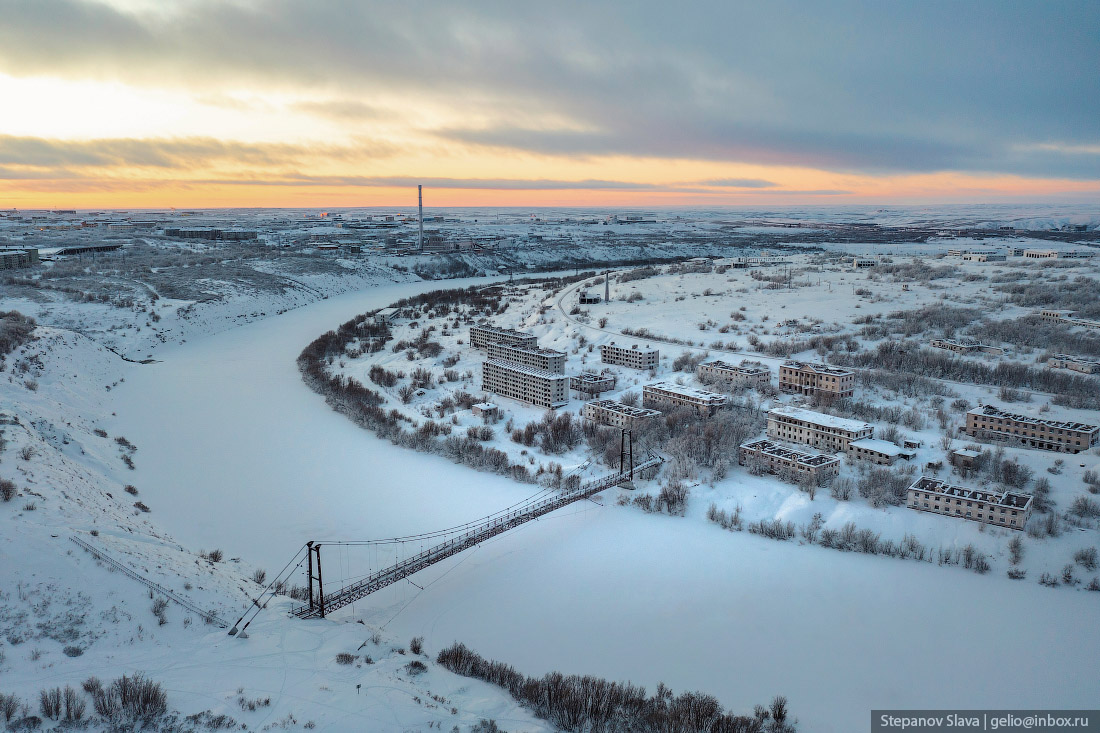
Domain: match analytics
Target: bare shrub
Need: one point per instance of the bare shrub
(345, 658)
(49, 703)
(416, 646)
(7, 489)
(259, 576)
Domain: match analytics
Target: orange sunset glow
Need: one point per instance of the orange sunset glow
(329, 104)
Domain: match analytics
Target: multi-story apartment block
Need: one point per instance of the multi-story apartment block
(825, 432)
(966, 346)
(546, 359)
(634, 357)
(616, 414)
(816, 379)
(1002, 508)
(12, 258)
(1075, 363)
(747, 372)
(788, 462)
(592, 384)
(526, 384)
(670, 395)
(993, 423)
(482, 336)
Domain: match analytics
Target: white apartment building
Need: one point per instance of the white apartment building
(616, 414)
(824, 432)
(526, 384)
(482, 336)
(590, 383)
(547, 359)
(747, 372)
(1001, 508)
(671, 395)
(635, 357)
(880, 452)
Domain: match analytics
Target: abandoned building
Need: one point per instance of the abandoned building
(824, 432)
(482, 336)
(788, 462)
(616, 414)
(992, 423)
(671, 395)
(816, 379)
(634, 357)
(526, 384)
(1002, 508)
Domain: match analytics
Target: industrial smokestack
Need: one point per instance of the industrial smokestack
(607, 286)
(420, 201)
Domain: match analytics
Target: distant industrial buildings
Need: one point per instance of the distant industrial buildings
(615, 414)
(816, 379)
(634, 357)
(671, 395)
(824, 432)
(209, 234)
(1055, 254)
(1002, 508)
(789, 463)
(984, 257)
(992, 423)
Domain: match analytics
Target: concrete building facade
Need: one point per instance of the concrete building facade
(482, 336)
(993, 423)
(546, 359)
(966, 346)
(747, 372)
(592, 384)
(634, 357)
(879, 452)
(816, 379)
(616, 414)
(1000, 508)
(1074, 363)
(669, 395)
(526, 384)
(824, 432)
(788, 462)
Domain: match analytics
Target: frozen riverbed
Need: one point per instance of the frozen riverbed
(235, 452)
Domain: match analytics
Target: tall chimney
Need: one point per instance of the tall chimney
(607, 286)
(420, 200)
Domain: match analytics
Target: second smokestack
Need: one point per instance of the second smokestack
(420, 203)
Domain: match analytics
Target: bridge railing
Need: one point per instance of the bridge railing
(472, 536)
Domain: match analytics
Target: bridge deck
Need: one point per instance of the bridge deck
(479, 533)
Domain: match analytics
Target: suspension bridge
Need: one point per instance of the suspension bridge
(448, 542)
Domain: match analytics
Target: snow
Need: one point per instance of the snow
(884, 447)
(610, 591)
(820, 418)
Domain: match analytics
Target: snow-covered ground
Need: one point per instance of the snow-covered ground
(232, 451)
(602, 590)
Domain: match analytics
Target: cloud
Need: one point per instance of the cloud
(846, 86)
(738, 183)
(179, 154)
(342, 109)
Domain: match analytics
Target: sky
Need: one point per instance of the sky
(155, 103)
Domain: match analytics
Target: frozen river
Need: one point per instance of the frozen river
(236, 453)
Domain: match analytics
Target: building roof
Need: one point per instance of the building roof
(994, 411)
(1005, 498)
(819, 368)
(885, 447)
(772, 448)
(820, 418)
(699, 394)
(628, 410)
(533, 371)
